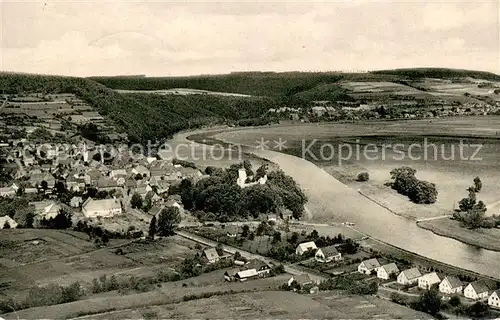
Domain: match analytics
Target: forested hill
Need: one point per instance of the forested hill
(143, 116)
(441, 73)
(269, 84)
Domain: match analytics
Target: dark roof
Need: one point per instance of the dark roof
(480, 286)
(412, 273)
(155, 210)
(257, 265)
(371, 263)
(232, 272)
(454, 282)
(329, 251)
(211, 254)
(390, 268)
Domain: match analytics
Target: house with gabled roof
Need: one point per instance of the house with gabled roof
(450, 285)
(301, 279)
(409, 276)
(7, 222)
(476, 290)
(261, 267)
(106, 184)
(230, 275)
(7, 192)
(387, 270)
(494, 299)
(101, 208)
(369, 266)
(427, 280)
(247, 274)
(211, 255)
(305, 247)
(327, 254)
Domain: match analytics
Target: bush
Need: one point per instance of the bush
(455, 301)
(363, 176)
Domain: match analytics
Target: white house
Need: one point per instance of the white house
(476, 290)
(368, 266)
(211, 255)
(327, 254)
(7, 192)
(242, 178)
(101, 208)
(427, 280)
(261, 267)
(494, 299)
(450, 285)
(409, 276)
(305, 247)
(7, 223)
(385, 271)
(247, 274)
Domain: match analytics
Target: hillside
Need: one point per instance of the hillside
(268, 84)
(143, 116)
(442, 73)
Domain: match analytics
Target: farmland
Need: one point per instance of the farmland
(183, 91)
(262, 304)
(40, 257)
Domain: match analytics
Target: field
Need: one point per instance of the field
(183, 91)
(484, 238)
(171, 293)
(448, 87)
(273, 304)
(247, 305)
(379, 87)
(65, 257)
(436, 157)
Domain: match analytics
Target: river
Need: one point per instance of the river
(331, 197)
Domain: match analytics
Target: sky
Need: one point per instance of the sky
(166, 38)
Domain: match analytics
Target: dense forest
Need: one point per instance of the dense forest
(442, 73)
(267, 84)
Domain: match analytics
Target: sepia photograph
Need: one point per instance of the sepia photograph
(335, 159)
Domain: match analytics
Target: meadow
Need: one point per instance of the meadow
(39, 257)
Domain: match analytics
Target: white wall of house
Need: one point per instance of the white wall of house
(445, 287)
(101, 212)
(382, 274)
(362, 269)
(470, 293)
(402, 279)
(494, 300)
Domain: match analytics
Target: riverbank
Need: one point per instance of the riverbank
(482, 238)
(330, 200)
